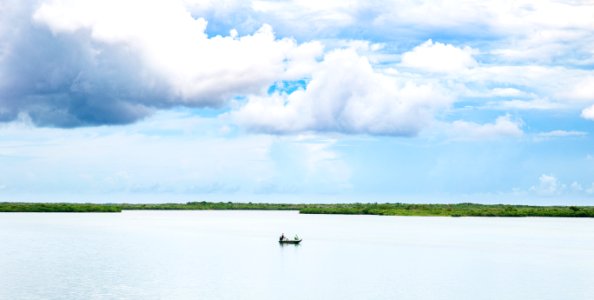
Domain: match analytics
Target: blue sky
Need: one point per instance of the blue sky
(297, 101)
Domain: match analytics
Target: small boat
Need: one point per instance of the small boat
(287, 241)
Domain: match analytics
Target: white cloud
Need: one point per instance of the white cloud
(199, 69)
(524, 30)
(544, 22)
(548, 186)
(345, 94)
(310, 15)
(545, 136)
(581, 89)
(547, 30)
(165, 58)
(549, 87)
(507, 92)
(561, 133)
(537, 104)
(503, 126)
(588, 113)
(438, 57)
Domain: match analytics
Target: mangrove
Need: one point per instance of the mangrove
(382, 209)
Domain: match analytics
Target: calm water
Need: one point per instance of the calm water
(235, 255)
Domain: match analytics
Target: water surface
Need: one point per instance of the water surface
(235, 255)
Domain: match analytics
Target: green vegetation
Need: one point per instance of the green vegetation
(385, 209)
(453, 210)
(57, 207)
(212, 206)
(118, 207)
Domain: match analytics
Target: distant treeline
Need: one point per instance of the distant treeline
(57, 207)
(453, 210)
(384, 209)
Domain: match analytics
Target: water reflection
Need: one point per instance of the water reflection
(232, 255)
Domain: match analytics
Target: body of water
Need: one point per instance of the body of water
(235, 255)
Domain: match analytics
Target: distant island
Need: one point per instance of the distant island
(382, 209)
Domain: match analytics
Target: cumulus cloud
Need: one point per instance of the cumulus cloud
(438, 57)
(541, 31)
(549, 185)
(346, 94)
(200, 69)
(504, 126)
(516, 31)
(107, 62)
(588, 113)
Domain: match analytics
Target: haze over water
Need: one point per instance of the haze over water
(235, 255)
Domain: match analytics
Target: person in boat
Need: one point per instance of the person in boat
(282, 237)
(296, 237)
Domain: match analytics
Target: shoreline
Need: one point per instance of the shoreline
(381, 209)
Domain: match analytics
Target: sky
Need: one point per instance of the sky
(297, 101)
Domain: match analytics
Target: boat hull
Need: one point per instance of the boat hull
(294, 242)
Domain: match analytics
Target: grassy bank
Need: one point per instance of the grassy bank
(386, 209)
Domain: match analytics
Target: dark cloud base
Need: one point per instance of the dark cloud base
(68, 80)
